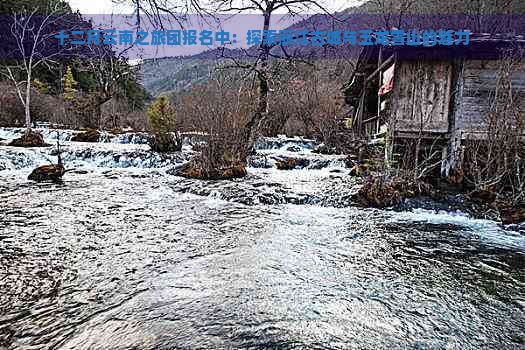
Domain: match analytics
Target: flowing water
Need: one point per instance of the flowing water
(124, 256)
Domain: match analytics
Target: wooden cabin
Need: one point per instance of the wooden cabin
(428, 93)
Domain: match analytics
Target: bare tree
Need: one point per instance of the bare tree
(217, 110)
(496, 161)
(260, 67)
(109, 71)
(31, 33)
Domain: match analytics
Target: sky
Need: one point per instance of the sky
(92, 6)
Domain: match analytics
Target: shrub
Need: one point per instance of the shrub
(221, 111)
(44, 107)
(162, 121)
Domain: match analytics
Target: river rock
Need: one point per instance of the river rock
(89, 135)
(350, 161)
(192, 171)
(29, 138)
(112, 173)
(456, 176)
(376, 193)
(512, 215)
(165, 143)
(80, 171)
(53, 172)
(293, 148)
(485, 195)
(320, 163)
(260, 161)
(291, 163)
(324, 149)
(359, 170)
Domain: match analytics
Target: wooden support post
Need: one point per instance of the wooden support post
(359, 114)
(452, 166)
(383, 65)
(378, 122)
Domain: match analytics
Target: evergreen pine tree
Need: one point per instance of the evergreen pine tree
(162, 121)
(70, 85)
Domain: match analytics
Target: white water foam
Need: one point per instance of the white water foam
(485, 230)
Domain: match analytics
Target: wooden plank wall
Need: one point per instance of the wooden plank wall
(422, 95)
(478, 86)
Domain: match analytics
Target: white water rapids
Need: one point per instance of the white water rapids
(123, 255)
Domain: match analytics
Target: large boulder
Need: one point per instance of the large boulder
(30, 138)
(165, 143)
(376, 193)
(291, 163)
(512, 214)
(381, 192)
(324, 149)
(192, 171)
(359, 170)
(89, 135)
(53, 172)
(483, 195)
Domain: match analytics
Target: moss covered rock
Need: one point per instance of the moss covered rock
(376, 193)
(324, 149)
(53, 172)
(89, 135)
(30, 138)
(165, 143)
(359, 170)
(512, 214)
(381, 192)
(291, 163)
(192, 171)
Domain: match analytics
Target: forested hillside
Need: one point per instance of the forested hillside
(73, 91)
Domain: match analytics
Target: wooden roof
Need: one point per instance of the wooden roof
(481, 45)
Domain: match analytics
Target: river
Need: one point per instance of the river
(123, 255)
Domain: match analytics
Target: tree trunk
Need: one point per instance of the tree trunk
(28, 96)
(252, 127)
(96, 118)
